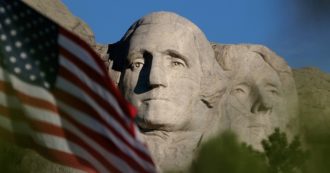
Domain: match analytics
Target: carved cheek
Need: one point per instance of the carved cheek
(128, 84)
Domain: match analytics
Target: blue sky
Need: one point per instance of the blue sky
(298, 30)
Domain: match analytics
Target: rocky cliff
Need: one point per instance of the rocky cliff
(313, 88)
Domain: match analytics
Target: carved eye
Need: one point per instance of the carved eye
(240, 90)
(136, 65)
(274, 91)
(176, 62)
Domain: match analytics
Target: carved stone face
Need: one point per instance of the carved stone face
(255, 100)
(162, 78)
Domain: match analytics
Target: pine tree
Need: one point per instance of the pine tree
(282, 156)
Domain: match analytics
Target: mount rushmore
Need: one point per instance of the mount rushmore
(188, 89)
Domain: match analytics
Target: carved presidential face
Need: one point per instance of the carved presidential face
(255, 99)
(162, 76)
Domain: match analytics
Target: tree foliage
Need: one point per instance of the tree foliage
(226, 155)
(282, 156)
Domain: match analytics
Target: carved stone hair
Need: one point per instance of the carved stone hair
(212, 82)
(227, 55)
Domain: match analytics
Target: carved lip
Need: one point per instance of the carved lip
(262, 119)
(147, 127)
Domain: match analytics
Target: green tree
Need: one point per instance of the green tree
(282, 156)
(225, 154)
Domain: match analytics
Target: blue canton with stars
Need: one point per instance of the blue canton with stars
(28, 44)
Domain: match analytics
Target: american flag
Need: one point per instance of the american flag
(56, 97)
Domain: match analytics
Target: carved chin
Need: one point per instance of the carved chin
(165, 117)
(172, 150)
(252, 128)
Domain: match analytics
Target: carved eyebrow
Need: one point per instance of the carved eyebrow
(272, 85)
(242, 83)
(138, 52)
(133, 54)
(176, 54)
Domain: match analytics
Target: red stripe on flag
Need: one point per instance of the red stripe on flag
(89, 71)
(20, 116)
(66, 74)
(6, 87)
(129, 110)
(84, 46)
(60, 157)
(49, 123)
(32, 101)
(105, 143)
(95, 77)
(77, 104)
(80, 105)
(45, 127)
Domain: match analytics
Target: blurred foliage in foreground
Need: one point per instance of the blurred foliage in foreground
(282, 156)
(226, 155)
(223, 154)
(11, 158)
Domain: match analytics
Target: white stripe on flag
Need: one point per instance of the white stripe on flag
(111, 158)
(11, 102)
(43, 94)
(95, 126)
(26, 88)
(35, 113)
(103, 94)
(53, 118)
(76, 91)
(79, 52)
(89, 122)
(99, 90)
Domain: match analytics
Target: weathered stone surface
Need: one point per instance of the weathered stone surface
(261, 93)
(174, 85)
(313, 88)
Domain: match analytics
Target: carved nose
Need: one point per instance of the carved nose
(157, 76)
(261, 104)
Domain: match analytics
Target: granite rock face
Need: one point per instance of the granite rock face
(261, 93)
(313, 88)
(175, 85)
